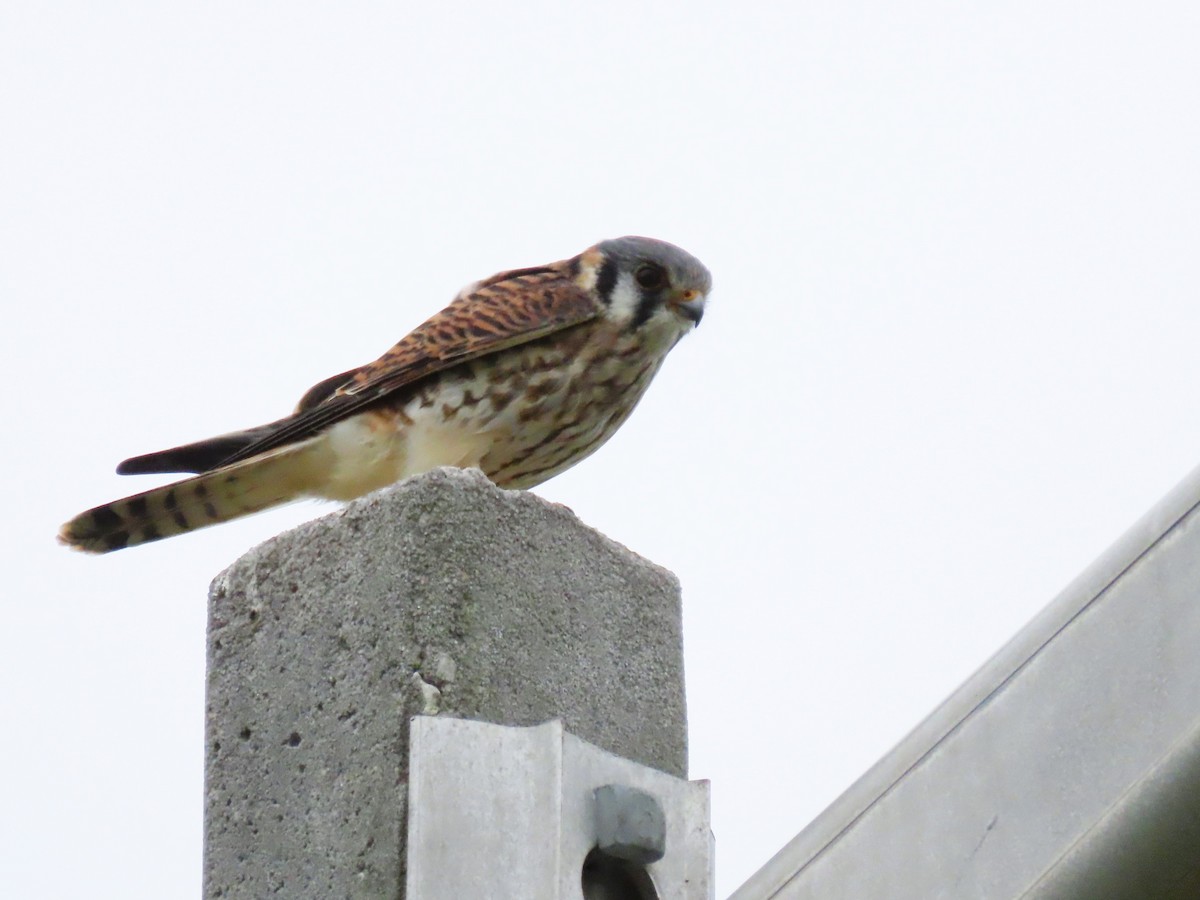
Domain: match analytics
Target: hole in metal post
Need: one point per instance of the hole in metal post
(607, 878)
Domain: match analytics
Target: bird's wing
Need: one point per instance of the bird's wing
(507, 309)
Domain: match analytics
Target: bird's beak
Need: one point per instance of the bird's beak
(689, 304)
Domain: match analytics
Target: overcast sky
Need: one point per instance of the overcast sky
(951, 352)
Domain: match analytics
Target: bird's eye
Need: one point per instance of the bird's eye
(650, 276)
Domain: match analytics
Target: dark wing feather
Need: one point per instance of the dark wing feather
(505, 310)
(323, 390)
(201, 456)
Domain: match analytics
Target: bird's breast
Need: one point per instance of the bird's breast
(541, 407)
(522, 415)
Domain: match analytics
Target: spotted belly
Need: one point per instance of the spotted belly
(557, 431)
(522, 416)
(542, 412)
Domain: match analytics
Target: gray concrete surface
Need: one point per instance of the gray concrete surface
(1067, 768)
(440, 595)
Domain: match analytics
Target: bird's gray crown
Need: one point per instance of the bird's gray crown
(630, 251)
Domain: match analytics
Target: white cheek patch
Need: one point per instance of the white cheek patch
(625, 298)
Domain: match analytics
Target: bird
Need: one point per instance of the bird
(522, 375)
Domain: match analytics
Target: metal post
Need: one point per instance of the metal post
(537, 814)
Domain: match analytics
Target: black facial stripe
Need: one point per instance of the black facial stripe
(647, 302)
(606, 281)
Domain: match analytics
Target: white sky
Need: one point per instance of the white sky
(950, 355)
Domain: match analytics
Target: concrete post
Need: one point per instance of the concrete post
(442, 595)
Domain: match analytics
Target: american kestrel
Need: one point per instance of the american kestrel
(522, 375)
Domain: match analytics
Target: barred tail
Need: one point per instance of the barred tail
(217, 496)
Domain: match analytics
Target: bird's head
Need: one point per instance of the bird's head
(647, 284)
